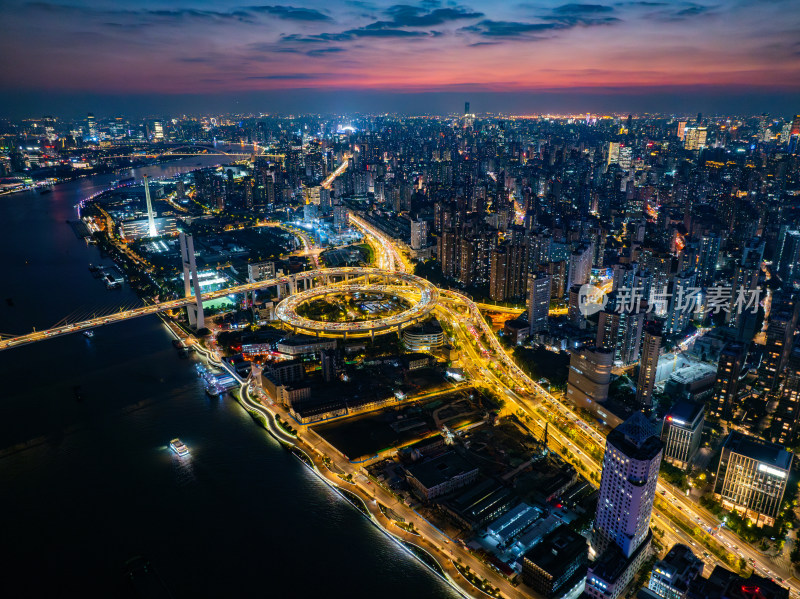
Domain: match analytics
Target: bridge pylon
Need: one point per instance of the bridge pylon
(190, 279)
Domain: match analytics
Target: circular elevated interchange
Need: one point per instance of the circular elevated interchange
(422, 295)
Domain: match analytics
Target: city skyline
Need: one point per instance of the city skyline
(423, 57)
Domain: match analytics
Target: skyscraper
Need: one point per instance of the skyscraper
(448, 241)
(91, 127)
(707, 260)
(539, 289)
(648, 366)
(622, 332)
(621, 533)
(589, 376)
(580, 265)
(419, 234)
(726, 388)
(784, 425)
(780, 336)
(613, 153)
(498, 274)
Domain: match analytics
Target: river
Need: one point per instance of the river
(86, 476)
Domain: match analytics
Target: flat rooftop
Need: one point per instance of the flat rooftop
(763, 451)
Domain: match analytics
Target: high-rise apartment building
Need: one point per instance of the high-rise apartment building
(648, 367)
(726, 388)
(419, 234)
(589, 376)
(448, 254)
(580, 265)
(784, 423)
(621, 332)
(708, 255)
(780, 337)
(539, 290)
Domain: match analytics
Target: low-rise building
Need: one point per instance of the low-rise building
(423, 337)
(516, 330)
(724, 584)
(510, 524)
(692, 383)
(286, 371)
(671, 576)
(440, 475)
(299, 345)
(285, 394)
(556, 567)
(416, 361)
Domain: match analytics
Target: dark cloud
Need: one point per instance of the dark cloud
(352, 34)
(534, 31)
(682, 12)
(191, 13)
(582, 9)
(325, 51)
(404, 15)
(244, 14)
(693, 11)
(291, 13)
(285, 76)
(569, 21)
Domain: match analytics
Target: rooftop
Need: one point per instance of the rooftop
(763, 451)
(637, 438)
(440, 469)
(684, 412)
(558, 551)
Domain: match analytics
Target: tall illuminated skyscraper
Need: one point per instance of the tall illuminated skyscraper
(621, 534)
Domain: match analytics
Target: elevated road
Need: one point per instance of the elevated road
(423, 294)
(284, 285)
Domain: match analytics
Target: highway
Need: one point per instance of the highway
(339, 170)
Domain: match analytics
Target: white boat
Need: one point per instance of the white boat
(178, 447)
(89, 333)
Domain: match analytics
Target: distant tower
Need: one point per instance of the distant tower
(91, 126)
(466, 107)
(194, 312)
(151, 221)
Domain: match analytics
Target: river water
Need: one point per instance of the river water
(87, 481)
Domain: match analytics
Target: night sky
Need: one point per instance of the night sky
(107, 56)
